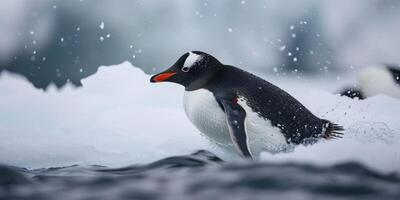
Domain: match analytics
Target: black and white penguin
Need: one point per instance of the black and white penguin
(232, 106)
(374, 80)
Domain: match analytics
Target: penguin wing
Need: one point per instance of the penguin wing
(235, 117)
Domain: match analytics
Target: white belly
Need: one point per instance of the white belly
(205, 113)
(376, 80)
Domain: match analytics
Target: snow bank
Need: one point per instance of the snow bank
(119, 118)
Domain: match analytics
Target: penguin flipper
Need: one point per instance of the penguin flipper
(235, 117)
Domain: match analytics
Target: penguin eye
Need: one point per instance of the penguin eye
(185, 69)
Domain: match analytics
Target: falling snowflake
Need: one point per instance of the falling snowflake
(101, 25)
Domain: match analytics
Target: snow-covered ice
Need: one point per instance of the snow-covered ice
(119, 118)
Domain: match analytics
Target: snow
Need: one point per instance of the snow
(372, 132)
(118, 118)
(101, 26)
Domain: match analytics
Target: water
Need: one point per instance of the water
(201, 175)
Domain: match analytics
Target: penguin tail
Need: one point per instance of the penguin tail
(332, 130)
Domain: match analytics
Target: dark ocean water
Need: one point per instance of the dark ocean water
(200, 175)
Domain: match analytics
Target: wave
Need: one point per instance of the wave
(201, 175)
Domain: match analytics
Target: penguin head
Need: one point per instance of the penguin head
(192, 70)
(352, 92)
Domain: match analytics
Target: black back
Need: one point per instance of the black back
(270, 102)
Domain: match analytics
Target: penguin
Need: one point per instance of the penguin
(374, 80)
(234, 107)
(352, 92)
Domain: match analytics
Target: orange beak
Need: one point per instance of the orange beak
(162, 77)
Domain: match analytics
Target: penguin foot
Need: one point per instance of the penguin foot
(334, 131)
